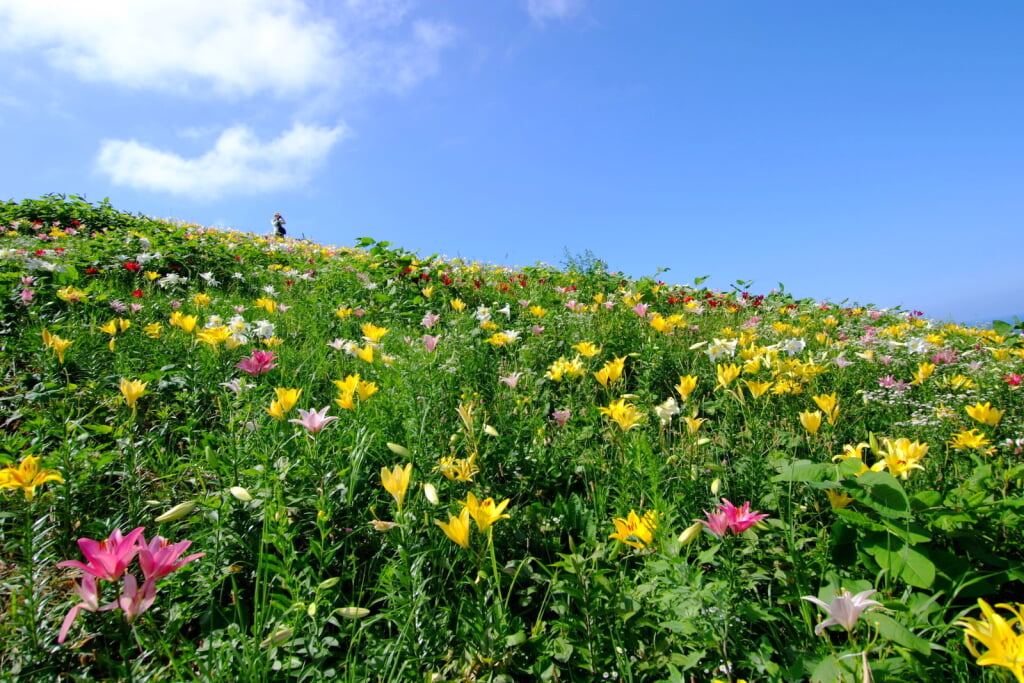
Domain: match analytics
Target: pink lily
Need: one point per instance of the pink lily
(109, 558)
(133, 601)
(314, 420)
(160, 557)
(728, 517)
(258, 363)
(716, 522)
(90, 594)
(430, 341)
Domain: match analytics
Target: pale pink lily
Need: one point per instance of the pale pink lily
(109, 558)
(844, 610)
(133, 601)
(561, 416)
(511, 380)
(314, 420)
(429, 320)
(430, 341)
(90, 594)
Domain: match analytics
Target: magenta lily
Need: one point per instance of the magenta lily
(160, 557)
(258, 363)
(109, 558)
(728, 517)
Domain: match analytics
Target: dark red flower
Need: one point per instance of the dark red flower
(133, 266)
(92, 271)
(137, 293)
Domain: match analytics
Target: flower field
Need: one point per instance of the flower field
(227, 457)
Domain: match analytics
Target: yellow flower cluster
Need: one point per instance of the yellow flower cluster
(565, 368)
(351, 387)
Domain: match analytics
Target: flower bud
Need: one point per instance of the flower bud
(352, 612)
(177, 512)
(240, 493)
(691, 533)
(431, 493)
(398, 449)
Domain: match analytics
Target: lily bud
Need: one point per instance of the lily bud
(240, 493)
(691, 533)
(177, 512)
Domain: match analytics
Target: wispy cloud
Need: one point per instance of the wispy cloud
(543, 11)
(238, 163)
(396, 67)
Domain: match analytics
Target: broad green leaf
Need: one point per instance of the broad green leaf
(881, 492)
(805, 470)
(903, 561)
(897, 632)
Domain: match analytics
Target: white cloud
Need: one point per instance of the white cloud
(238, 163)
(223, 47)
(314, 55)
(542, 11)
(237, 47)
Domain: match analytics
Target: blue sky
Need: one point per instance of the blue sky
(867, 150)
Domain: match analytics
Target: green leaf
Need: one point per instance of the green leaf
(903, 561)
(515, 639)
(1002, 328)
(911, 533)
(881, 492)
(860, 519)
(804, 470)
(897, 632)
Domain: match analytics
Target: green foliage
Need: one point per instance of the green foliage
(313, 571)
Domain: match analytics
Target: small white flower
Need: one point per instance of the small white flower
(793, 346)
(667, 410)
(722, 348)
(263, 329)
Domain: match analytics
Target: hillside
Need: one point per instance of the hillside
(361, 463)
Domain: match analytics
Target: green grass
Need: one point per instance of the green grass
(300, 578)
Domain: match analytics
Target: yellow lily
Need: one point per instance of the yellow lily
(485, 512)
(457, 528)
(132, 390)
(27, 476)
(396, 481)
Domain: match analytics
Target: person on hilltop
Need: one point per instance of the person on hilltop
(278, 222)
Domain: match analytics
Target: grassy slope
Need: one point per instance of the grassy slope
(546, 593)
